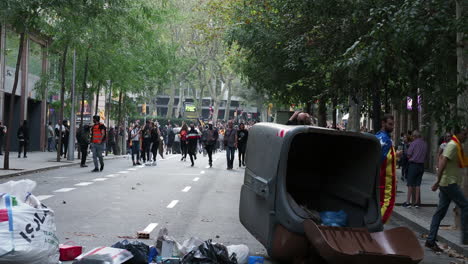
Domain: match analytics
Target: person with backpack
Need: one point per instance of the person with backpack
(82, 136)
(146, 134)
(210, 139)
(183, 141)
(192, 143)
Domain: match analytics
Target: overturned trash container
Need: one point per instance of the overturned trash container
(294, 172)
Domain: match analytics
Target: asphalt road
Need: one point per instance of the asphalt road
(99, 209)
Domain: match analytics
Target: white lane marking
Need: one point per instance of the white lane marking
(186, 189)
(196, 179)
(132, 169)
(43, 197)
(83, 184)
(202, 172)
(150, 227)
(172, 204)
(112, 175)
(100, 179)
(122, 172)
(59, 177)
(65, 190)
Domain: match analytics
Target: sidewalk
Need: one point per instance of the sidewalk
(38, 161)
(420, 218)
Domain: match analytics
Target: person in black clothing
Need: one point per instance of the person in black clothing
(111, 145)
(242, 136)
(83, 138)
(146, 134)
(66, 136)
(23, 138)
(170, 139)
(210, 139)
(155, 142)
(192, 143)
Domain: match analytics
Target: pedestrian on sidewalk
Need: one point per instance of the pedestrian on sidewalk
(82, 136)
(242, 136)
(183, 141)
(230, 142)
(111, 141)
(135, 134)
(388, 158)
(417, 153)
(443, 143)
(404, 162)
(50, 137)
(66, 136)
(154, 142)
(59, 127)
(23, 138)
(146, 134)
(98, 138)
(192, 142)
(210, 141)
(3, 131)
(449, 180)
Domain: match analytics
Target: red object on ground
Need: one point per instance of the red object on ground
(69, 252)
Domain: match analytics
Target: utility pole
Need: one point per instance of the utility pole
(71, 139)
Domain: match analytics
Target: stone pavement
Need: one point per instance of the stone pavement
(38, 161)
(420, 218)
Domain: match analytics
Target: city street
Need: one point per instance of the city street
(99, 209)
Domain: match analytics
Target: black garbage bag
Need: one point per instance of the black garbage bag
(139, 250)
(209, 253)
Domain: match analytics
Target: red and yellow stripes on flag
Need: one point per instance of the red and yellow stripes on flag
(387, 185)
(462, 159)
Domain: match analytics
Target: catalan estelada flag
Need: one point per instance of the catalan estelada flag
(387, 185)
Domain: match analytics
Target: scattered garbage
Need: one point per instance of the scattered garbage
(104, 255)
(27, 228)
(69, 251)
(209, 252)
(256, 260)
(167, 245)
(241, 252)
(153, 254)
(338, 219)
(189, 245)
(139, 250)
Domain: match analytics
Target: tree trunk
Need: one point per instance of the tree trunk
(181, 100)
(228, 103)
(119, 122)
(97, 98)
(6, 160)
(322, 112)
(415, 108)
(84, 87)
(404, 116)
(170, 104)
(335, 111)
(376, 107)
(62, 99)
(354, 114)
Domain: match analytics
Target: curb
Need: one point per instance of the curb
(26, 172)
(421, 229)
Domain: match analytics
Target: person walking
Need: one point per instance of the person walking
(111, 140)
(403, 148)
(183, 141)
(449, 180)
(417, 153)
(50, 137)
(211, 138)
(230, 142)
(59, 128)
(66, 136)
(23, 139)
(192, 143)
(146, 134)
(170, 139)
(155, 142)
(388, 157)
(242, 136)
(82, 136)
(98, 138)
(135, 135)
(3, 131)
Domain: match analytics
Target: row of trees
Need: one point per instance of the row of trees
(121, 46)
(367, 56)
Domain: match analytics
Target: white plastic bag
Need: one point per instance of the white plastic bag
(27, 234)
(189, 245)
(241, 251)
(105, 255)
